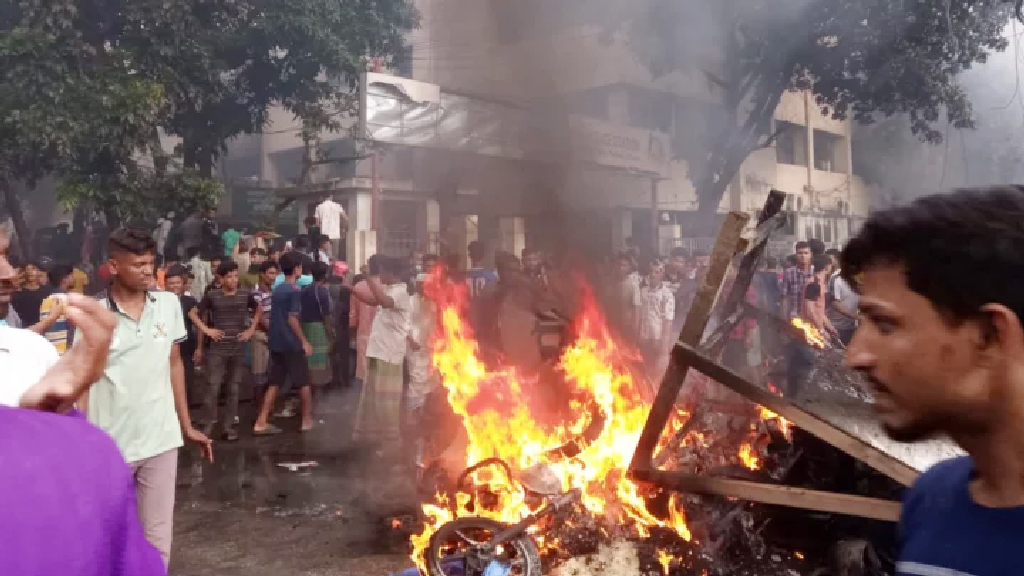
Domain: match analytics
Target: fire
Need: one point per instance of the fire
(811, 334)
(504, 415)
(666, 560)
(749, 457)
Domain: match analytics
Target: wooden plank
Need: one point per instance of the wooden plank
(898, 471)
(721, 256)
(847, 504)
(693, 329)
(768, 221)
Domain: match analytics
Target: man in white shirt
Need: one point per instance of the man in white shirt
(333, 222)
(378, 417)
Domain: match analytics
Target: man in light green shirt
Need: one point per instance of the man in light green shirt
(140, 398)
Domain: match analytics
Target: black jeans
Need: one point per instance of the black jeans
(223, 370)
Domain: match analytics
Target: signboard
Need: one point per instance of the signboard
(405, 112)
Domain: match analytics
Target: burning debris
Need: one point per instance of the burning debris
(542, 486)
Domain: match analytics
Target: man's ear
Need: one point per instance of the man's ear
(1001, 330)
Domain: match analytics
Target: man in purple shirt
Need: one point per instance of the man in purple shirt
(67, 495)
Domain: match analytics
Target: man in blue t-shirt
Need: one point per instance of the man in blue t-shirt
(288, 348)
(481, 281)
(941, 342)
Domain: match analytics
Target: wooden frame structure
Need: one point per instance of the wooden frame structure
(687, 356)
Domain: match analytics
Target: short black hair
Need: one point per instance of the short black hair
(319, 271)
(791, 260)
(301, 242)
(393, 266)
(257, 252)
(267, 265)
(176, 271)
(821, 262)
(801, 245)
(373, 264)
(35, 264)
(817, 246)
(960, 250)
(131, 241)
(227, 267)
(58, 272)
(476, 250)
(191, 252)
(833, 252)
(289, 262)
(812, 291)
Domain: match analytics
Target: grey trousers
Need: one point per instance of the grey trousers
(155, 479)
(222, 370)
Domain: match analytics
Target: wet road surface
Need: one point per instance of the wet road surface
(247, 515)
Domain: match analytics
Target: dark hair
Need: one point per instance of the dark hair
(960, 250)
(267, 265)
(58, 272)
(393, 266)
(191, 252)
(301, 242)
(821, 262)
(679, 252)
(832, 252)
(226, 267)
(817, 246)
(812, 291)
(131, 241)
(289, 262)
(791, 260)
(801, 245)
(257, 252)
(177, 270)
(319, 271)
(373, 264)
(35, 264)
(476, 250)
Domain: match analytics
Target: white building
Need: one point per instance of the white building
(484, 52)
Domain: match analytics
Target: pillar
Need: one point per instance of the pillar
(361, 242)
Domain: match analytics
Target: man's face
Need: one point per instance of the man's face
(678, 264)
(230, 281)
(625, 268)
(214, 264)
(803, 256)
(926, 375)
(8, 275)
(132, 271)
(269, 276)
(67, 283)
(257, 259)
(31, 274)
(175, 285)
(531, 261)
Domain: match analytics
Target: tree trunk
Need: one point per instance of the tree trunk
(13, 206)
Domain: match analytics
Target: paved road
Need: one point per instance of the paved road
(246, 515)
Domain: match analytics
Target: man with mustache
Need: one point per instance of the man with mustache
(941, 342)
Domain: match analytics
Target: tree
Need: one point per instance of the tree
(90, 85)
(224, 68)
(862, 59)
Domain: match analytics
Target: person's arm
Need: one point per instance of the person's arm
(181, 404)
(257, 317)
(842, 301)
(68, 380)
(382, 298)
(353, 309)
(295, 325)
(196, 314)
(670, 314)
(48, 316)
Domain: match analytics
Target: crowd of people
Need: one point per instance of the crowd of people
(940, 350)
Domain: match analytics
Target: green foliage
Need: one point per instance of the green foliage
(142, 195)
(89, 86)
(861, 58)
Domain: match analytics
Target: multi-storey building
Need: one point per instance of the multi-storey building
(498, 66)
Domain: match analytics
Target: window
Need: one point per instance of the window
(790, 144)
(829, 152)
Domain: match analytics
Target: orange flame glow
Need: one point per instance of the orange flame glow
(811, 334)
(499, 411)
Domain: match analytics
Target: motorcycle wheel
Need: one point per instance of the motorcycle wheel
(453, 550)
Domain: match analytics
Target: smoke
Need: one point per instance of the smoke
(902, 168)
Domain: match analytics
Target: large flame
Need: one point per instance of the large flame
(499, 411)
(811, 334)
